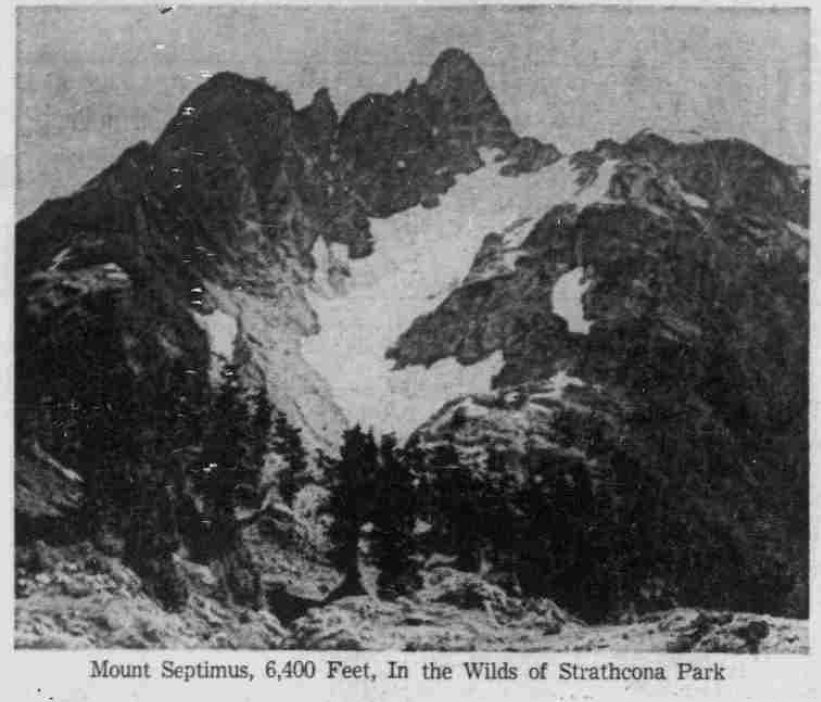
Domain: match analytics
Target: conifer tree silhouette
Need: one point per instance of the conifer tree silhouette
(394, 518)
(351, 486)
(288, 444)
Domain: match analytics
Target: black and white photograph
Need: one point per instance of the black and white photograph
(412, 328)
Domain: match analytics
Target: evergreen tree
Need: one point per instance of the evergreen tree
(534, 553)
(288, 444)
(225, 458)
(152, 537)
(234, 446)
(502, 525)
(351, 486)
(457, 496)
(260, 440)
(394, 518)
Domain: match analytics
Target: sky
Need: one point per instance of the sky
(92, 81)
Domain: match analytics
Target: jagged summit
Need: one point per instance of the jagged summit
(317, 123)
(322, 107)
(467, 103)
(730, 173)
(236, 190)
(226, 97)
(228, 84)
(455, 72)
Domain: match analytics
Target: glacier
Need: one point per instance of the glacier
(419, 256)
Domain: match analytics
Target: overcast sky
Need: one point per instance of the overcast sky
(92, 81)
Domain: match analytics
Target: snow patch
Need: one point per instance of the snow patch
(563, 379)
(558, 383)
(798, 230)
(467, 407)
(689, 136)
(694, 200)
(472, 410)
(59, 259)
(221, 329)
(515, 233)
(566, 299)
(322, 258)
(509, 259)
(597, 191)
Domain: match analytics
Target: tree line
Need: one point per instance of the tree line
(640, 516)
(613, 517)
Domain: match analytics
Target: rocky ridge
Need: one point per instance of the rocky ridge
(691, 326)
(77, 598)
(199, 245)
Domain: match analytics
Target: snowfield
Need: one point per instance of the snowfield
(419, 256)
(566, 299)
(221, 329)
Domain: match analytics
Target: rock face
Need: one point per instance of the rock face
(47, 497)
(77, 598)
(635, 318)
(688, 322)
(730, 174)
(452, 611)
(218, 218)
(74, 597)
(365, 624)
(641, 235)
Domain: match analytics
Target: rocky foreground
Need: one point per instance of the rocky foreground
(75, 594)
(75, 597)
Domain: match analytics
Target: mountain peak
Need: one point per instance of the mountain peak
(229, 94)
(468, 106)
(322, 107)
(322, 100)
(319, 120)
(228, 83)
(455, 71)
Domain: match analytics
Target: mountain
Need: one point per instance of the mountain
(211, 228)
(664, 329)
(635, 315)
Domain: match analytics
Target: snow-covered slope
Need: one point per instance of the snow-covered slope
(567, 300)
(420, 256)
